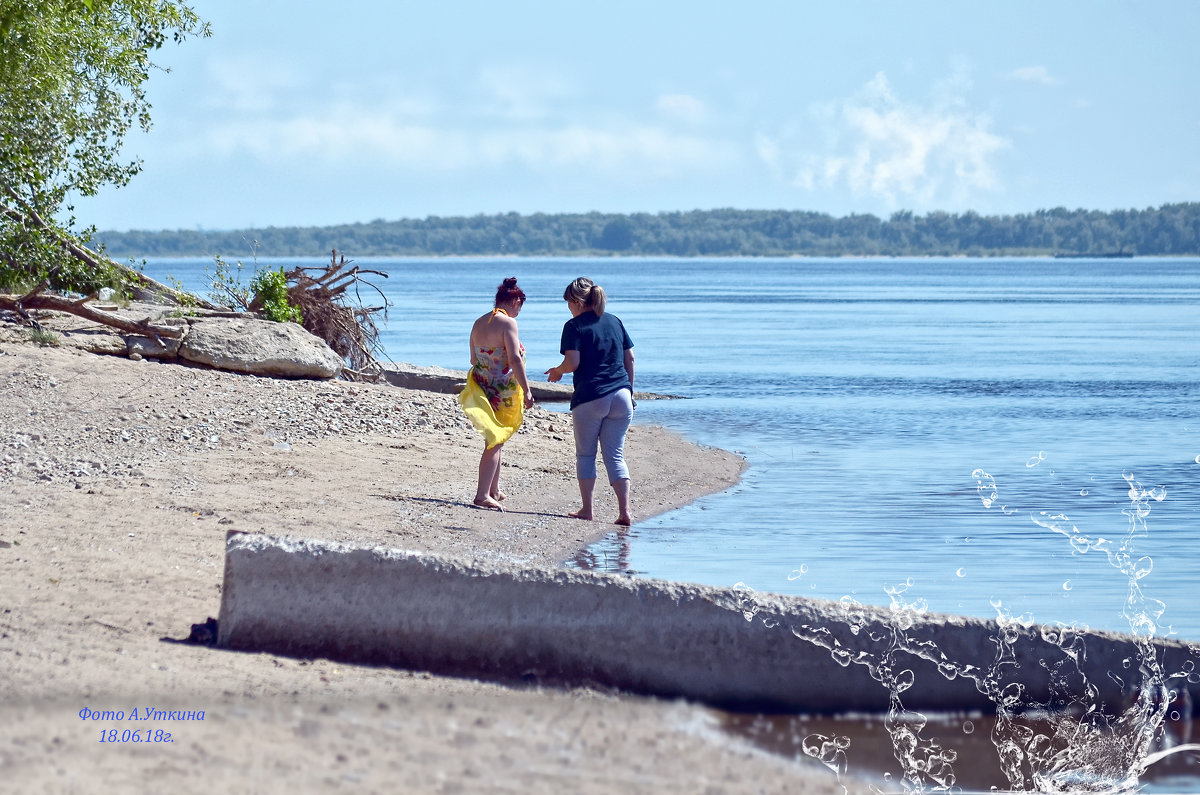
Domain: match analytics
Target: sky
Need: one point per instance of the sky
(310, 114)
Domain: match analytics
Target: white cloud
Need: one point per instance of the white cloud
(510, 116)
(395, 142)
(1034, 74)
(682, 107)
(881, 147)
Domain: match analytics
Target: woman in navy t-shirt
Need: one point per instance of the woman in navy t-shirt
(597, 349)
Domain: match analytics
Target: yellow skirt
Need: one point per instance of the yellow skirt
(497, 424)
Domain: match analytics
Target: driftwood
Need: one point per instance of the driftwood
(36, 300)
(320, 294)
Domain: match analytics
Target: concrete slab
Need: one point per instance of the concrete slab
(445, 380)
(725, 647)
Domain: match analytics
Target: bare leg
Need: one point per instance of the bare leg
(494, 490)
(489, 470)
(621, 488)
(587, 486)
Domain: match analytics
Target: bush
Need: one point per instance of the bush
(270, 289)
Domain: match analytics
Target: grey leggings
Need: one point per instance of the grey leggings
(602, 422)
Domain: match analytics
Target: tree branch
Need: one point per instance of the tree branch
(81, 308)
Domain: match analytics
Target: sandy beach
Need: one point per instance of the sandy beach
(118, 482)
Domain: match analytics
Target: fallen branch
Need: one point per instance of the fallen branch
(35, 300)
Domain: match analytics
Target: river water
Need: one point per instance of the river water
(1014, 437)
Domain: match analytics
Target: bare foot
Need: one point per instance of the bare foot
(487, 503)
(581, 515)
(498, 495)
(623, 519)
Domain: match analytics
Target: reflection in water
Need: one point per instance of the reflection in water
(613, 557)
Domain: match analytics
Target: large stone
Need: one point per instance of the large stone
(157, 347)
(260, 347)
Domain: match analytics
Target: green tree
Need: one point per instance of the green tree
(72, 85)
(617, 235)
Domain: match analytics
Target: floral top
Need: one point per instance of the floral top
(494, 374)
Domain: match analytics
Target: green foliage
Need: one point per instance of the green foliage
(618, 235)
(227, 286)
(1172, 229)
(268, 290)
(271, 290)
(72, 77)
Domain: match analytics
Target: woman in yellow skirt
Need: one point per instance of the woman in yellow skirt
(497, 391)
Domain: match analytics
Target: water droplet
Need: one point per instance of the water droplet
(968, 727)
(798, 573)
(1083, 492)
(960, 573)
(1198, 459)
(1037, 459)
(985, 487)
(1067, 585)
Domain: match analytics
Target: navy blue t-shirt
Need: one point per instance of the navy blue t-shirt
(601, 342)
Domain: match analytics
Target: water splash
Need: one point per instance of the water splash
(1085, 748)
(1073, 742)
(830, 751)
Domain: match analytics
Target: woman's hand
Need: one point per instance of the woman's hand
(569, 364)
(529, 401)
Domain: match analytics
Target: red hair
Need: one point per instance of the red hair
(509, 292)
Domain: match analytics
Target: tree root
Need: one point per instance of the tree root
(320, 294)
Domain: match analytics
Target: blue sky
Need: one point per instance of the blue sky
(313, 114)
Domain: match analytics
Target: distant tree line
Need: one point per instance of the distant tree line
(1172, 229)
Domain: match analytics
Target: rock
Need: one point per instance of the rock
(101, 340)
(259, 347)
(145, 347)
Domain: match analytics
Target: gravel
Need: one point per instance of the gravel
(179, 410)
